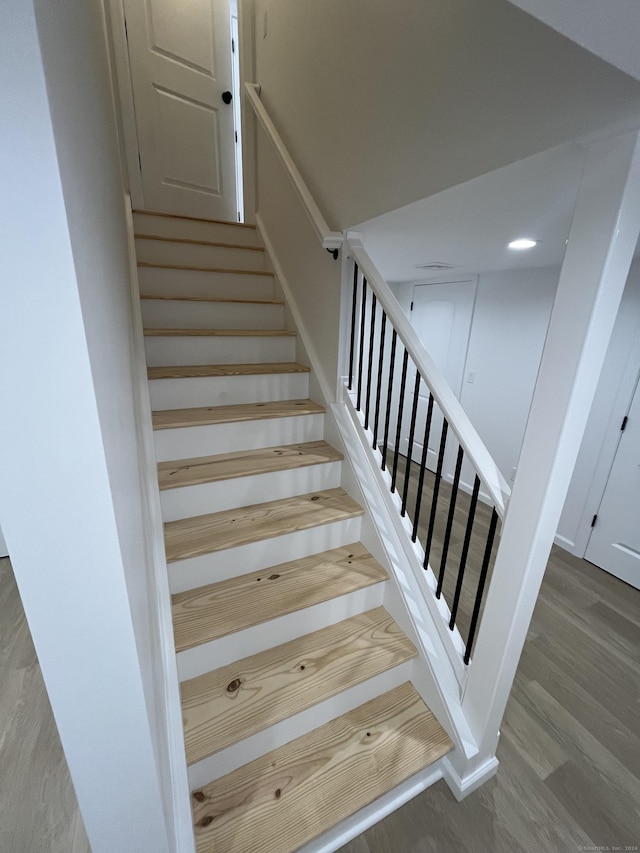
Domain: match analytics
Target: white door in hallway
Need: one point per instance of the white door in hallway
(614, 544)
(180, 61)
(441, 315)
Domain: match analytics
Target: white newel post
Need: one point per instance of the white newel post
(599, 251)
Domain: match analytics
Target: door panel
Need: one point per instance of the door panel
(614, 544)
(180, 60)
(441, 316)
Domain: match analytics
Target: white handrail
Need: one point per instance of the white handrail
(329, 239)
(449, 405)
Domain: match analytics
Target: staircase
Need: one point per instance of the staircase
(297, 700)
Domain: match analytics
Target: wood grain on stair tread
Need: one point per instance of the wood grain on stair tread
(197, 370)
(212, 611)
(284, 799)
(244, 463)
(203, 534)
(194, 218)
(175, 418)
(193, 242)
(219, 333)
(167, 266)
(178, 297)
(234, 702)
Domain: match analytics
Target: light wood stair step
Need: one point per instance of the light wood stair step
(244, 463)
(219, 333)
(229, 704)
(197, 370)
(176, 418)
(204, 534)
(166, 266)
(193, 242)
(209, 612)
(222, 299)
(284, 799)
(194, 218)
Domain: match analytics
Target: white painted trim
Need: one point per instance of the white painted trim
(181, 820)
(328, 238)
(459, 422)
(246, 39)
(425, 582)
(116, 23)
(301, 328)
(367, 817)
(462, 786)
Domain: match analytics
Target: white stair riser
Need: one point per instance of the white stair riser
(216, 232)
(229, 759)
(243, 491)
(186, 442)
(291, 626)
(167, 313)
(221, 565)
(198, 255)
(158, 281)
(185, 393)
(218, 349)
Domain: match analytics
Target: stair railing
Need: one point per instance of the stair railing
(385, 356)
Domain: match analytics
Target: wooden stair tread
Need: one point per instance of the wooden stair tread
(165, 266)
(174, 418)
(244, 463)
(218, 299)
(212, 611)
(284, 799)
(195, 370)
(194, 218)
(234, 702)
(219, 333)
(193, 242)
(217, 531)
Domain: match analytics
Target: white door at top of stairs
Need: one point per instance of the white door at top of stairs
(181, 78)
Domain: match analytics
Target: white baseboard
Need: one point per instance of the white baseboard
(461, 787)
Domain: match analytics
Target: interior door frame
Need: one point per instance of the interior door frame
(123, 99)
(608, 449)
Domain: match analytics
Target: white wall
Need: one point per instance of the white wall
(508, 329)
(311, 272)
(70, 497)
(610, 30)
(382, 104)
(4, 551)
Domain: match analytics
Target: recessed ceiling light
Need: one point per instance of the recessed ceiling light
(522, 243)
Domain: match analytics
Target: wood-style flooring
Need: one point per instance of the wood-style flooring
(569, 774)
(38, 808)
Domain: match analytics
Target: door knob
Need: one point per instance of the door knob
(227, 97)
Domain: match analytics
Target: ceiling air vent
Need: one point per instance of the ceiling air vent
(436, 266)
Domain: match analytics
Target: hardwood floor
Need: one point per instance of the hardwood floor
(38, 809)
(569, 775)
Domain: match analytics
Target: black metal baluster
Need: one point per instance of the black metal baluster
(376, 417)
(465, 552)
(372, 332)
(423, 466)
(403, 385)
(436, 490)
(361, 355)
(354, 306)
(481, 583)
(452, 509)
(412, 429)
(392, 364)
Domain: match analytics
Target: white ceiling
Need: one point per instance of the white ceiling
(470, 225)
